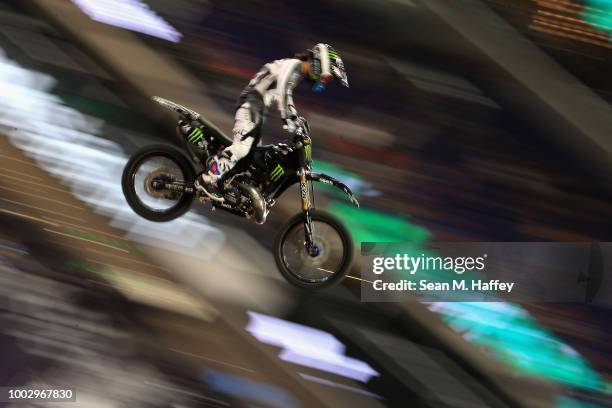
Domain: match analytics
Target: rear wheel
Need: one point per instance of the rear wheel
(143, 179)
(304, 269)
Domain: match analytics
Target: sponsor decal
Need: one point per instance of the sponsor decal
(195, 135)
(304, 190)
(277, 172)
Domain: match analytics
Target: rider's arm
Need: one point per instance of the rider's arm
(287, 80)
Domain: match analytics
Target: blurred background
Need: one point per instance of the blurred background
(472, 120)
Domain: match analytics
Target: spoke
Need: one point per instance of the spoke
(152, 168)
(313, 269)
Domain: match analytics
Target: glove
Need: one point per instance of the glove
(291, 124)
(302, 124)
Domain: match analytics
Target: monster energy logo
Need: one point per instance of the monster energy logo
(195, 135)
(277, 173)
(332, 54)
(308, 152)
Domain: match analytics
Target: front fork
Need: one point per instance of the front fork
(305, 194)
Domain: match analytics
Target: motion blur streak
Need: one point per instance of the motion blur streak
(131, 15)
(515, 337)
(308, 347)
(259, 392)
(337, 385)
(63, 142)
(44, 318)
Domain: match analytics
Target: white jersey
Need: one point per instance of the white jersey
(275, 82)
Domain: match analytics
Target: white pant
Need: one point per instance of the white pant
(246, 122)
(243, 125)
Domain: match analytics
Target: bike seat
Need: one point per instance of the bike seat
(193, 115)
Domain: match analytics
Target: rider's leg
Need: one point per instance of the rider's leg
(247, 125)
(226, 159)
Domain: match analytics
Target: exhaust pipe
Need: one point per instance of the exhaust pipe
(260, 211)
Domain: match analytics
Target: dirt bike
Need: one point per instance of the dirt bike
(312, 250)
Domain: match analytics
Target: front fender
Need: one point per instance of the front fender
(324, 178)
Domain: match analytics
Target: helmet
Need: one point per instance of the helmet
(325, 65)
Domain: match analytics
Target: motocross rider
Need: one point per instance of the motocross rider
(273, 84)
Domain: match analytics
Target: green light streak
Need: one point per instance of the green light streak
(599, 15)
(565, 402)
(514, 337)
(367, 225)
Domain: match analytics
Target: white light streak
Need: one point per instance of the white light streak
(132, 15)
(64, 143)
(308, 347)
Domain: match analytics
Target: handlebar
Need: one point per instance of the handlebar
(303, 129)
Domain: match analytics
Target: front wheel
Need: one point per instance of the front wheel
(319, 269)
(143, 179)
